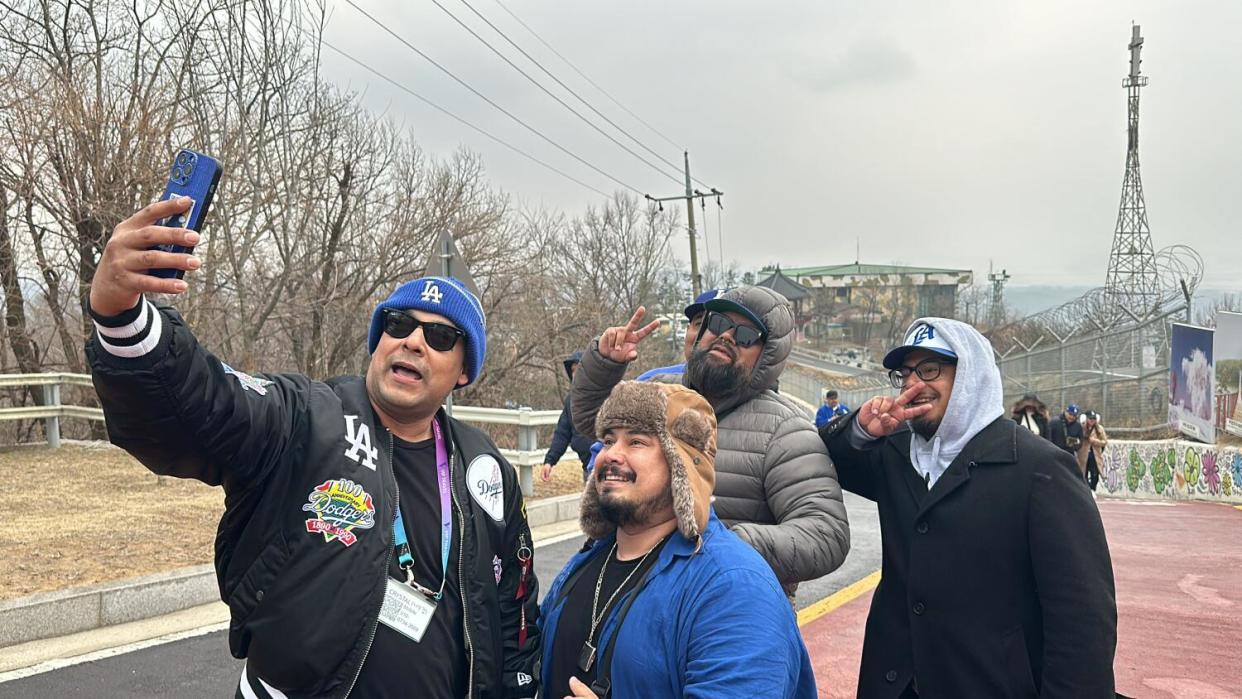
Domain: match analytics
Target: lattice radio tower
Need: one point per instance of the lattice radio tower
(1133, 281)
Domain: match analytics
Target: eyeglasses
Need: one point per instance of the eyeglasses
(927, 370)
(744, 335)
(439, 337)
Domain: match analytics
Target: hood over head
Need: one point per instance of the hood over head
(775, 314)
(975, 403)
(1030, 400)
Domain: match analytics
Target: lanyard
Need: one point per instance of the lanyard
(402, 543)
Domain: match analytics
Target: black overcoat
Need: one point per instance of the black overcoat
(996, 583)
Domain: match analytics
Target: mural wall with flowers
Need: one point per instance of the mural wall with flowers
(1172, 469)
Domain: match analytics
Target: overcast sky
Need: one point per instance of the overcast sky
(948, 133)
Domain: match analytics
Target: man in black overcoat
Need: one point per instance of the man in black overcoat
(996, 580)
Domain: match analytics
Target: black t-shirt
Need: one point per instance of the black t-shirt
(574, 624)
(437, 667)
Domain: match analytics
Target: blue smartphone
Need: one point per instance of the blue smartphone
(193, 175)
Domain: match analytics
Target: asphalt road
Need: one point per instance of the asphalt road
(814, 361)
(202, 667)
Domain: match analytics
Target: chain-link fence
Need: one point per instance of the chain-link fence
(1122, 373)
(809, 385)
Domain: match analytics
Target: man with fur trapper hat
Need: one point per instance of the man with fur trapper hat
(665, 602)
(777, 488)
(989, 536)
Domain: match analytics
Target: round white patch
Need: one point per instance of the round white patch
(486, 486)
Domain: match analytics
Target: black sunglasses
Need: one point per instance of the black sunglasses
(743, 335)
(439, 337)
(927, 370)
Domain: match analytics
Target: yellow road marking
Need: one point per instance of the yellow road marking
(1237, 507)
(838, 598)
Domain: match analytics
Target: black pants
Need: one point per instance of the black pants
(1093, 470)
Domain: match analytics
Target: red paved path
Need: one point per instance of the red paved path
(1178, 568)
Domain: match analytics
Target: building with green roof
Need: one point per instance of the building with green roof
(868, 302)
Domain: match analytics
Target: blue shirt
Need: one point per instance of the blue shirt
(674, 369)
(825, 414)
(709, 624)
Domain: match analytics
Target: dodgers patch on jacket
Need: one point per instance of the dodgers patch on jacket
(340, 506)
(486, 485)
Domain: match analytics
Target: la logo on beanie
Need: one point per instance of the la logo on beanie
(431, 292)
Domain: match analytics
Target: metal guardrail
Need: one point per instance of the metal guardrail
(51, 411)
(524, 458)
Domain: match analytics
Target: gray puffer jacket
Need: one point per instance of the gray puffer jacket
(775, 485)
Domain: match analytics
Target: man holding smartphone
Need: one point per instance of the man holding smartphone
(370, 544)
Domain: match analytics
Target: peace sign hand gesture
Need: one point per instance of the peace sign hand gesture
(882, 415)
(620, 344)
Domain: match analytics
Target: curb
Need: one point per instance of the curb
(63, 612)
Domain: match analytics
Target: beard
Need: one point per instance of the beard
(714, 380)
(924, 427)
(623, 513)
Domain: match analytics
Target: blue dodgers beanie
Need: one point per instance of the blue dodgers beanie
(443, 296)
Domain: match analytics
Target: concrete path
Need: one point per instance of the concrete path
(1178, 570)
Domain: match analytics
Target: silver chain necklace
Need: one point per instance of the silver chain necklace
(586, 658)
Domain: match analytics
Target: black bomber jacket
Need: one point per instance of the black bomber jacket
(302, 550)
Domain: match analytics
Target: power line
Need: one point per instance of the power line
(558, 81)
(549, 93)
(719, 230)
(446, 112)
(485, 98)
(588, 79)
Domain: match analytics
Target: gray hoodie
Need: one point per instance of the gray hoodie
(976, 400)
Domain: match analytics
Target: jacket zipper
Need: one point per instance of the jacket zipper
(396, 501)
(461, 577)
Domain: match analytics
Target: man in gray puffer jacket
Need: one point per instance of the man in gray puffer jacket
(775, 485)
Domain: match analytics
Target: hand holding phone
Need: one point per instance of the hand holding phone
(192, 175)
(121, 277)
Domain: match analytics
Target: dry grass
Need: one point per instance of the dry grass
(89, 513)
(566, 479)
(92, 514)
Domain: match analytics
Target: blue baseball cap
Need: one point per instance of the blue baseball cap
(1073, 409)
(922, 336)
(701, 300)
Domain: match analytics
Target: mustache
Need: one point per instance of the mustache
(414, 362)
(723, 345)
(603, 471)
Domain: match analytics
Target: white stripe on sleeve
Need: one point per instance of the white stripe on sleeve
(150, 316)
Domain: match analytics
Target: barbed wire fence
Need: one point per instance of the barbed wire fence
(1122, 372)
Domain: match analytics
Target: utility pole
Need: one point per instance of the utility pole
(997, 311)
(696, 280)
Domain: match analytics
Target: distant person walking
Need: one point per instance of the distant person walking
(565, 435)
(1064, 430)
(830, 410)
(1031, 413)
(1091, 450)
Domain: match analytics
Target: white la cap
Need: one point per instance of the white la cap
(922, 336)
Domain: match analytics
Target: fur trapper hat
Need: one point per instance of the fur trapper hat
(685, 425)
(1030, 400)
